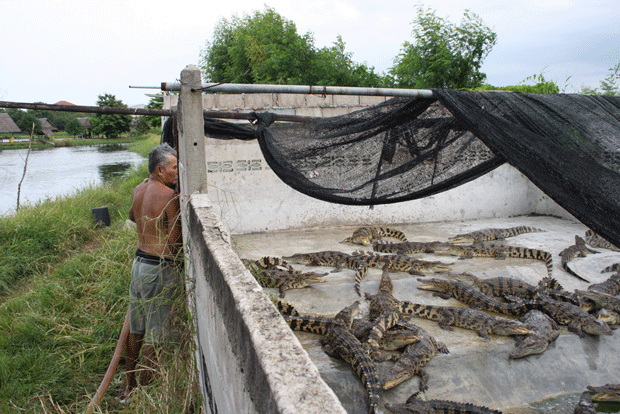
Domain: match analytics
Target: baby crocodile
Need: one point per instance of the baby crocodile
(283, 280)
(474, 319)
(502, 286)
(413, 358)
(585, 405)
(612, 268)
(607, 392)
(575, 318)
(611, 286)
(609, 317)
(579, 249)
(492, 234)
(471, 296)
(384, 310)
(335, 259)
(407, 247)
(365, 235)
(401, 263)
(544, 331)
(600, 299)
(498, 252)
(393, 339)
(415, 406)
(339, 342)
(595, 240)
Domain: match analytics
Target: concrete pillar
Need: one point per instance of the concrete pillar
(192, 163)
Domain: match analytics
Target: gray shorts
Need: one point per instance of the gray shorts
(151, 293)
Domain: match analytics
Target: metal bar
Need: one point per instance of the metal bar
(302, 89)
(144, 111)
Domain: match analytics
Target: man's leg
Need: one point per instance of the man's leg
(149, 360)
(132, 350)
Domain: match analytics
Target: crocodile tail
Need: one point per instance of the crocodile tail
(285, 308)
(313, 324)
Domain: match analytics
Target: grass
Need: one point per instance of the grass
(63, 299)
(67, 141)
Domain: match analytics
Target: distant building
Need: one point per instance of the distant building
(7, 125)
(47, 128)
(64, 103)
(87, 126)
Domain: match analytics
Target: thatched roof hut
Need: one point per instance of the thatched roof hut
(7, 125)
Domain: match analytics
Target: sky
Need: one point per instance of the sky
(66, 50)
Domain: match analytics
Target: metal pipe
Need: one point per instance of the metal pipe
(143, 111)
(302, 89)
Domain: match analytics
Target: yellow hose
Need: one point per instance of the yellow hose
(109, 374)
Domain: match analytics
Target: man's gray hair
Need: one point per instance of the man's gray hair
(160, 155)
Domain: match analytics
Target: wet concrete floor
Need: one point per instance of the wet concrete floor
(475, 370)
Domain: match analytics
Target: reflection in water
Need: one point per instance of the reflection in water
(111, 147)
(109, 171)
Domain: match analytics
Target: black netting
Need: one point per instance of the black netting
(403, 149)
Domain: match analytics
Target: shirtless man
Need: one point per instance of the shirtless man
(154, 276)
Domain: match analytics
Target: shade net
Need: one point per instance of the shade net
(404, 149)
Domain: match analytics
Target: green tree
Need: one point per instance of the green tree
(541, 85)
(110, 125)
(444, 55)
(264, 47)
(25, 121)
(609, 86)
(334, 66)
(156, 102)
(142, 125)
(74, 127)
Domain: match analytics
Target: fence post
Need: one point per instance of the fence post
(192, 162)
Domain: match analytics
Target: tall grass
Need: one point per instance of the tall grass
(64, 295)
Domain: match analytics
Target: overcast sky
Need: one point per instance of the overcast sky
(53, 50)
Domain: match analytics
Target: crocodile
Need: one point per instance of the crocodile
(471, 296)
(595, 240)
(339, 342)
(474, 319)
(393, 339)
(544, 332)
(585, 405)
(366, 235)
(413, 359)
(415, 406)
(384, 310)
(402, 263)
(609, 317)
(600, 299)
(502, 286)
(283, 280)
(607, 392)
(335, 259)
(407, 247)
(285, 308)
(498, 252)
(575, 318)
(579, 249)
(492, 234)
(611, 286)
(612, 268)
(268, 262)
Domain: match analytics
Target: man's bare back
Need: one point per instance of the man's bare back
(156, 212)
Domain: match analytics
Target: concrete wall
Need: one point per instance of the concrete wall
(250, 361)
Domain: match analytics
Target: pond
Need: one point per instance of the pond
(59, 171)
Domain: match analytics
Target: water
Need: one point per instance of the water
(59, 171)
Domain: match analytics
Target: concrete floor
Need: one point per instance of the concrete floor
(475, 370)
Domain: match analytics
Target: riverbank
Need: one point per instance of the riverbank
(63, 299)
